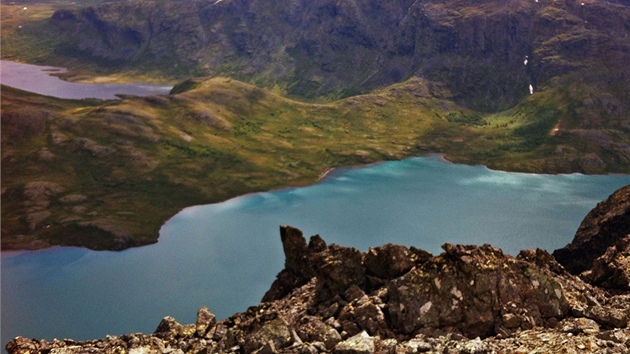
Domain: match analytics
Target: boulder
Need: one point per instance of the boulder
(168, 327)
(361, 343)
(273, 334)
(312, 329)
(205, 321)
(337, 269)
(389, 261)
(475, 290)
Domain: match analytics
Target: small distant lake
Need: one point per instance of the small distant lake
(40, 80)
(226, 255)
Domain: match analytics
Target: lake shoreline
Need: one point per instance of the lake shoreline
(50, 82)
(330, 173)
(137, 120)
(420, 202)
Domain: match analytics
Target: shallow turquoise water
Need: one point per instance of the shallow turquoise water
(226, 255)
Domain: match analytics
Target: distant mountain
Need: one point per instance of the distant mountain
(486, 53)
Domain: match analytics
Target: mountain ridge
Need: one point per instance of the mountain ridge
(312, 48)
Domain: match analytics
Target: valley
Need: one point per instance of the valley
(259, 105)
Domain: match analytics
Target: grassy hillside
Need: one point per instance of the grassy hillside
(107, 174)
(448, 76)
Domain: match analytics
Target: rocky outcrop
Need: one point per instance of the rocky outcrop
(394, 299)
(612, 269)
(476, 291)
(600, 251)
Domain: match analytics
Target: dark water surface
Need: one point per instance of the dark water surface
(38, 79)
(226, 255)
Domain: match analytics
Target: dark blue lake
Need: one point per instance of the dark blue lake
(38, 79)
(226, 255)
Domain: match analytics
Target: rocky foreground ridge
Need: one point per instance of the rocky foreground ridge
(397, 299)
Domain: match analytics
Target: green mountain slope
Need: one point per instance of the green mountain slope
(537, 86)
(107, 174)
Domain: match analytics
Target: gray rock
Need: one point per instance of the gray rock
(311, 329)
(168, 326)
(361, 343)
(205, 321)
(578, 325)
(608, 316)
(275, 331)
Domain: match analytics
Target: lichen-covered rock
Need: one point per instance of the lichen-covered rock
(275, 331)
(475, 291)
(168, 327)
(205, 321)
(312, 329)
(361, 343)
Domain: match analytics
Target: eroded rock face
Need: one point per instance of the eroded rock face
(600, 250)
(393, 299)
(323, 45)
(612, 269)
(477, 291)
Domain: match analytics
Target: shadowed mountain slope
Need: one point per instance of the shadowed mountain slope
(329, 47)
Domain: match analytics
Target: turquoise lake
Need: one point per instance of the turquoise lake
(226, 255)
